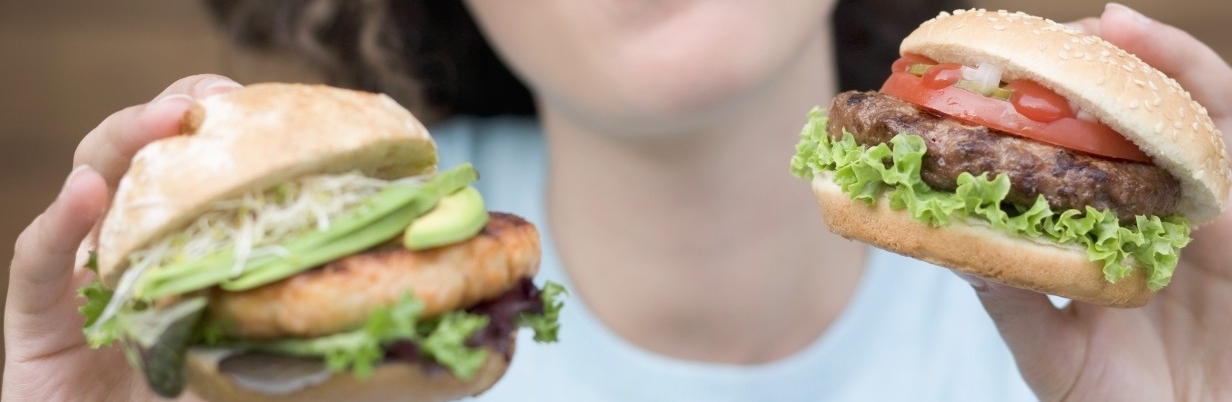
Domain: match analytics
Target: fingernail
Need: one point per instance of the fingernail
(72, 175)
(171, 97)
(976, 282)
(215, 85)
(1141, 19)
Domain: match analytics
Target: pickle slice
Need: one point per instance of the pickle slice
(919, 69)
(993, 92)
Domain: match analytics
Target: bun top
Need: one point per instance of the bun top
(251, 139)
(1123, 92)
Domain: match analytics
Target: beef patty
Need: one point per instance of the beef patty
(1067, 179)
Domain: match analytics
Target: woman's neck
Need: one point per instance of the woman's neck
(701, 245)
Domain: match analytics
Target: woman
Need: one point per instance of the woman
(699, 267)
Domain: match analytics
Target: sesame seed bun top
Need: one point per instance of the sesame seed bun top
(1133, 98)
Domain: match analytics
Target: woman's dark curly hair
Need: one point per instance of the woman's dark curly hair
(431, 51)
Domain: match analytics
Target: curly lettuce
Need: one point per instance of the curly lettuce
(865, 173)
(96, 298)
(359, 351)
(446, 339)
(546, 324)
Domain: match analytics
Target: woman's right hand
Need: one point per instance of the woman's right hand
(46, 356)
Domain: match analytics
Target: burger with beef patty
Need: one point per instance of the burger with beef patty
(1014, 148)
(297, 243)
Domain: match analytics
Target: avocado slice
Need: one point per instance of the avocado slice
(381, 218)
(309, 251)
(457, 217)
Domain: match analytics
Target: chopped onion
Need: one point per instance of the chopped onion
(1082, 114)
(987, 75)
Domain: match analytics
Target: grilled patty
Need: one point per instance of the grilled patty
(1067, 179)
(342, 294)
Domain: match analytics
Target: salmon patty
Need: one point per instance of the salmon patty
(340, 295)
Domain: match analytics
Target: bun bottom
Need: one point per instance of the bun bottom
(389, 382)
(978, 250)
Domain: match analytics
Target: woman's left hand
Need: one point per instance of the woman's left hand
(1179, 346)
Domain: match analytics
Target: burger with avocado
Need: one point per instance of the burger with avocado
(297, 243)
(1014, 148)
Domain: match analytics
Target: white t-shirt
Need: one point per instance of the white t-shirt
(913, 332)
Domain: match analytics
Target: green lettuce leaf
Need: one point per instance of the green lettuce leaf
(546, 325)
(445, 342)
(360, 351)
(97, 296)
(865, 173)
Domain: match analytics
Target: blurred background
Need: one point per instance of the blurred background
(67, 64)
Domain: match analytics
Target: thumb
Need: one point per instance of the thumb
(1046, 342)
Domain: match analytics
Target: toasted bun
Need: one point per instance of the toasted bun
(390, 382)
(1131, 97)
(978, 250)
(251, 139)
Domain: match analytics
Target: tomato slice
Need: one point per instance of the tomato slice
(1038, 103)
(1067, 132)
(942, 75)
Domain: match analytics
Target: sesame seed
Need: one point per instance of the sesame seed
(1063, 55)
(1176, 124)
(1159, 127)
(1133, 104)
(999, 27)
(1065, 46)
